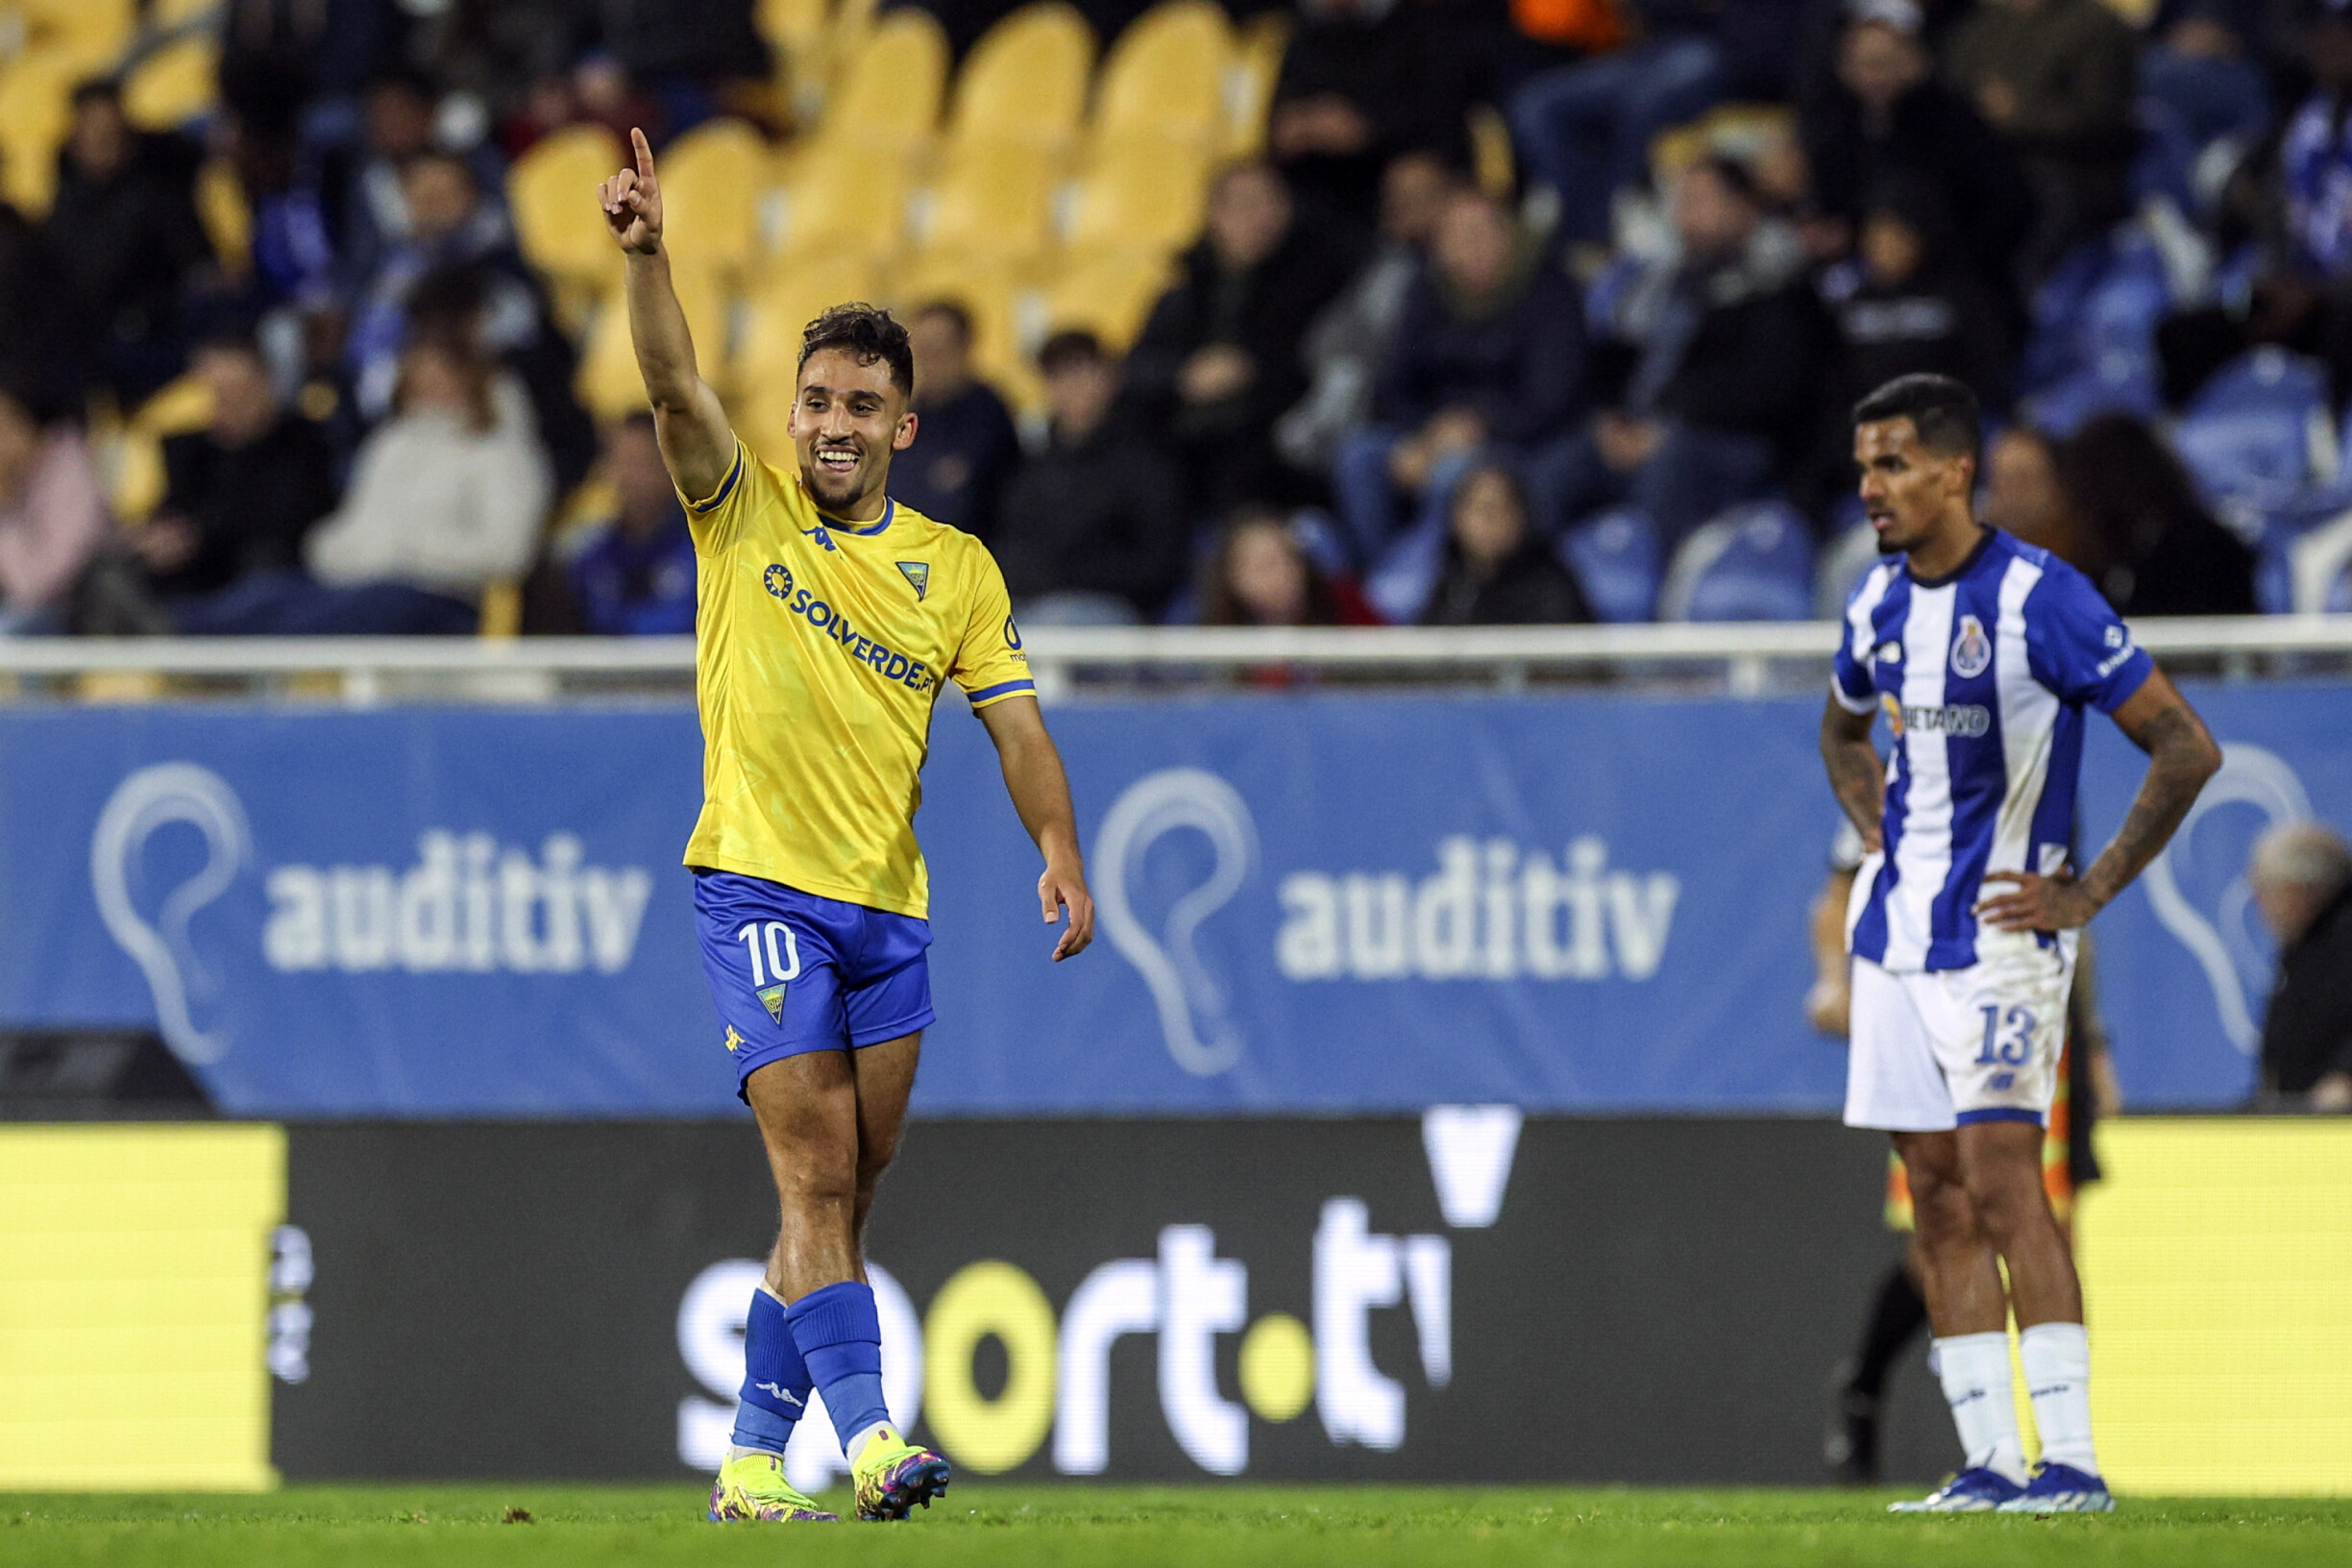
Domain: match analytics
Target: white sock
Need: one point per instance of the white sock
(856, 1445)
(1975, 1370)
(2057, 1358)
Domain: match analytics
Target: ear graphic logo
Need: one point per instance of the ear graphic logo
(149, 799)
(1191, 1002)
(2224, 944)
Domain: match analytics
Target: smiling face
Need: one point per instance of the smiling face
(1910, 493)
(847, 421)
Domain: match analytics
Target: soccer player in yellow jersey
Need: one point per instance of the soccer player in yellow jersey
(827, 619)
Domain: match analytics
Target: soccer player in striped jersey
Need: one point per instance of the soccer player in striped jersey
(1982, 653)
(827, 619)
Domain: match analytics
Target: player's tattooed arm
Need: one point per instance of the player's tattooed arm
(2181, 757)
(1857, 775)
(1033, 776)
(696, 441)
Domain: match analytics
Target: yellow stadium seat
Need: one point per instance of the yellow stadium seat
(91, 34)
(183, 405)
(1025, 79)
(1141, 196)
(175, 85)
(713, 181)
(34, 119)
(778, 311)
(993, 295)
(993, 202)
(1249, 85)
(226, 218)
(608, 382)
(886, 98)
(846, 202)
(551, 190)
(1110, 293)
(1165, 76)
(800, 31)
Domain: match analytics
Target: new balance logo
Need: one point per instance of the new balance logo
(784, 1394)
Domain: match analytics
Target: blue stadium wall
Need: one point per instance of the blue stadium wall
(1310, 904)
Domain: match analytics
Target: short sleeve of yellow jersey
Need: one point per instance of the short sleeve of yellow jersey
(990, 664)
(717, 519)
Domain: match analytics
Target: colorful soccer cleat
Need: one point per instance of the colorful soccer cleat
(1975, 1490)
(753, 1487)
(2061, 1488)
(892, 1476)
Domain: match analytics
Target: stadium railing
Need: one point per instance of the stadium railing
(1744, 660)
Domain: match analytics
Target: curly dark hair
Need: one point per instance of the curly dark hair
(867, 332)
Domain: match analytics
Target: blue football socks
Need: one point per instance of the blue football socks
(776, 1384)
(840, 1335)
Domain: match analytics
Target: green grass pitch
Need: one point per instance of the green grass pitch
(1072, 1527)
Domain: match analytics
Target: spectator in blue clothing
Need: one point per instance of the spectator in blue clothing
(2204, 63)
(1585, 129)
(1489, 352)
(964, 443)
(2315, 154)
(636, 578)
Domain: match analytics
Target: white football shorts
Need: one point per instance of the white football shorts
(1932, 1051)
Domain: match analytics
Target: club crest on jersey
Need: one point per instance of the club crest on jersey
(1972, 651)
(773, 998)
(919, 577)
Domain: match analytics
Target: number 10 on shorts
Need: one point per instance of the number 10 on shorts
(781, 962)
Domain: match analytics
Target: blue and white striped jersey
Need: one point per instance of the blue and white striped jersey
(1983, 675)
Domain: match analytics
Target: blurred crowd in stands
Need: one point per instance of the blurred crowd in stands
(1478, 311)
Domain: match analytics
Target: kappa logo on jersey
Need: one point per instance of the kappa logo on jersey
(734, 1039)
(777, 580)
(1972, 651)
(1890, 653)
(821, 535)
(773, 998)
(919, 577)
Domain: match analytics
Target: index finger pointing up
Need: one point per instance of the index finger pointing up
(645, 153)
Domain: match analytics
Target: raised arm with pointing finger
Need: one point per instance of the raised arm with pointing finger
(695, 439)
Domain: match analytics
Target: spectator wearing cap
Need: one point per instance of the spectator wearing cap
(1729, 347)
(636, 576)
(1488, 352)
(1220, 359)
(1092, 526)
(1881, 115)
(2301, 877)
(2057, 79)
(964, 442)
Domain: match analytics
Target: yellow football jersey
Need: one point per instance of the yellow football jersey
(819, 647)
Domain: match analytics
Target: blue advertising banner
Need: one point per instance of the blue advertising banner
(1309, 903)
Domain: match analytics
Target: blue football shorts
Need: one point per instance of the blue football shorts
(793, 972)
